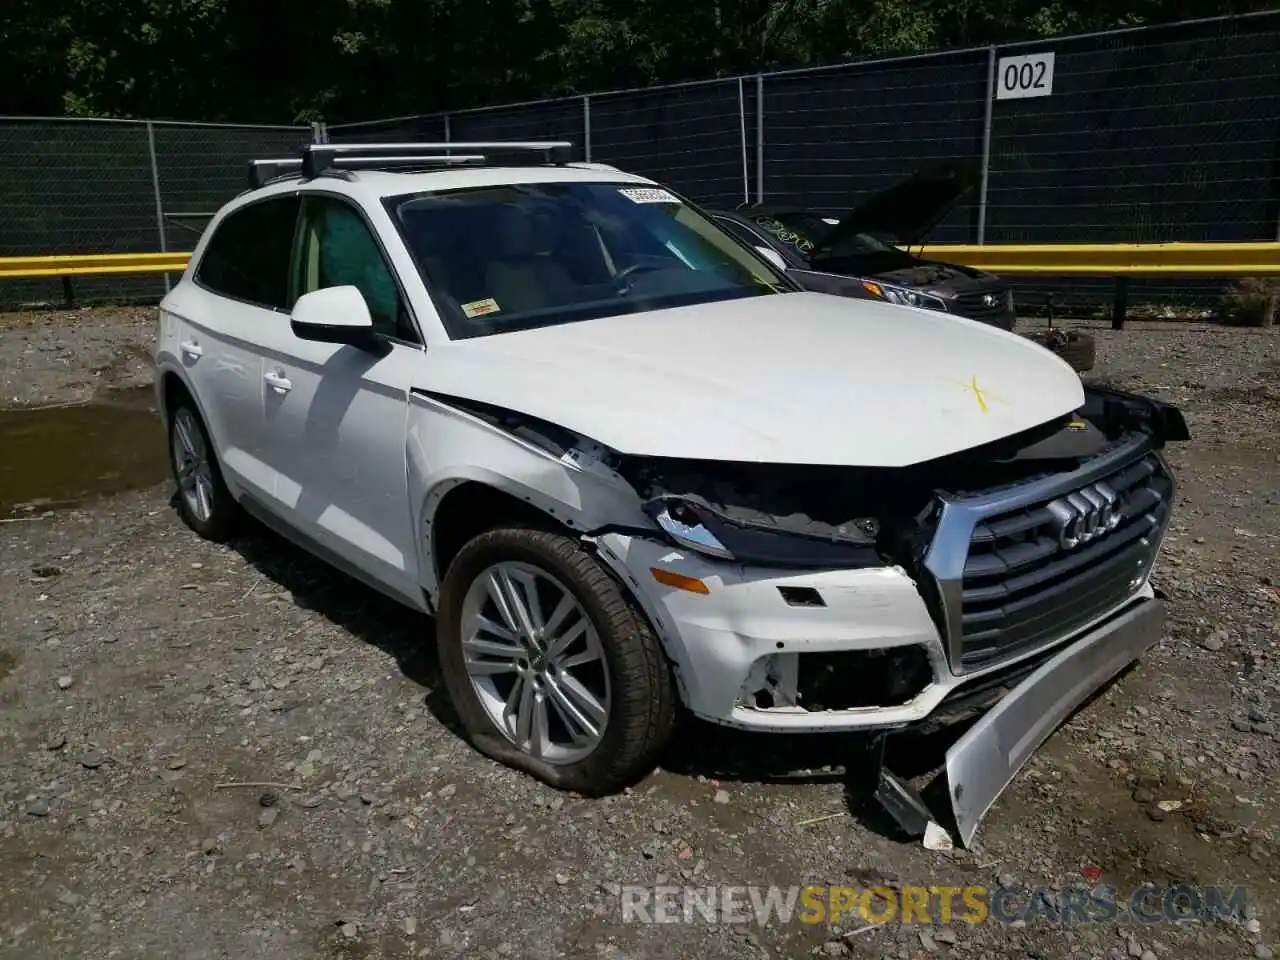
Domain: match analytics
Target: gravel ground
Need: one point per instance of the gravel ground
(71, 355)
(143, 670)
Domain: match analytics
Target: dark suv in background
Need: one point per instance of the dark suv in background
(865, 253)
(860, 253)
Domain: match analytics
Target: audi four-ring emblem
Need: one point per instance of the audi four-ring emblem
(1085, 515)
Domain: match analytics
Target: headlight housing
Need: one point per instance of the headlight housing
(698, 526)
(904, 296)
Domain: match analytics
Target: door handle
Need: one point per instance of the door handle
(191, 348)
(277, 382)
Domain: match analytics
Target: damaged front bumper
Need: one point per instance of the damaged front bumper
(719, 639)
(986, 758)
(786, 651)
(1017, 599)
(742, 633)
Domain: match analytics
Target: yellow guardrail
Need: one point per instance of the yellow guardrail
(1053, 259)
(1115, 259)
(1118, 260)
(92, 265)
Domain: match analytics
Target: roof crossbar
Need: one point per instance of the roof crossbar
(262, 172)
(318, 158)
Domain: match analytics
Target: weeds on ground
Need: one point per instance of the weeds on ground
(1252, 302)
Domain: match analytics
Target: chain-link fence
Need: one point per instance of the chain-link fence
(1153, 134)
(832, 136)
(117, 186)
(1170, 134)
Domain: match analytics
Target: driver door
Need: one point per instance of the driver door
(336, 413)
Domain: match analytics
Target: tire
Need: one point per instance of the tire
(1078, 349)
(1081, 351)
(204, 503)
(624, 668)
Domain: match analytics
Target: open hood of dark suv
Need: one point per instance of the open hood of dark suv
(908, 210)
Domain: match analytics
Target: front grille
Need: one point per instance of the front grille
(970, 303)
(1022, 588)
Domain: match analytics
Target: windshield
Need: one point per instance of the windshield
(518, 256)
(804, 231)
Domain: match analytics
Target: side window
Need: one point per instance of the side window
(249, 254)
(336, 249)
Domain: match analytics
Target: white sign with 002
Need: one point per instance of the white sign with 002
(1018, 78)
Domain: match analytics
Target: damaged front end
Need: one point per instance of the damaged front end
(848, 517)
(1032, 556)
(1007, 582)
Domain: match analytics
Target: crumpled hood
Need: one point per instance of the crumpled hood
(803, 378)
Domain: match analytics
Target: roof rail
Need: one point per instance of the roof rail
(595, 165)
(318, 159)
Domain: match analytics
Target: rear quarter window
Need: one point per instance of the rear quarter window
(248, 257)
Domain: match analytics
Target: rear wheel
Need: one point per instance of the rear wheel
(549, 665)
(204, 502)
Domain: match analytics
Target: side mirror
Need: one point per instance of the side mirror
(773, 256)
(333, 315)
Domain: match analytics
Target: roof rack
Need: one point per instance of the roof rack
(319, 159)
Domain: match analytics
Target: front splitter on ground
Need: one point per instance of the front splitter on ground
(982, 763)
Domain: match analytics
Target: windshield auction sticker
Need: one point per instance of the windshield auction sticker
(649, 195)
(478, 308)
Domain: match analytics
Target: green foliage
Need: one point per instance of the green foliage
(302, 60)
(1252, 302)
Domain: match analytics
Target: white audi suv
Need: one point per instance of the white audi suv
(627, 464)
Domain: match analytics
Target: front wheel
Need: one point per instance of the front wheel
(549, 665)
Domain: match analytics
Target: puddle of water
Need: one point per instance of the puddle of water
(7, 662)
(57, 456)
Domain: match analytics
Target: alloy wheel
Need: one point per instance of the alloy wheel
(535, 661)
(191, 465)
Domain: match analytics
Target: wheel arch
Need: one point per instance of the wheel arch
(467, 472)
(463, 506)
(172, 383)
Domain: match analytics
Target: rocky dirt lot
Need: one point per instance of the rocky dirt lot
(235, 752)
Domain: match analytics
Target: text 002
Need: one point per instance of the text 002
(1028, 76)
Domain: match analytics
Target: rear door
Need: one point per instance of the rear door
(335, 414)
(240, 288)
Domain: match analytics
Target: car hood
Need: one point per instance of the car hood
(802, 378)
(908, 210)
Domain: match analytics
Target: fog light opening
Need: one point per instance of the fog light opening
(859, 679)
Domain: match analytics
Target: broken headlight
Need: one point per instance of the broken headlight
(698, 526)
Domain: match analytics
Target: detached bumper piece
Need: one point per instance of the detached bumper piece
(984, 761)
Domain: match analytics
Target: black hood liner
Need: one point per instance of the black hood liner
(909, 209)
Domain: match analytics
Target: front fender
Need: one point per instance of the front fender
(447, 447)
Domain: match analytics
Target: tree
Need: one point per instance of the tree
(290, 61)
